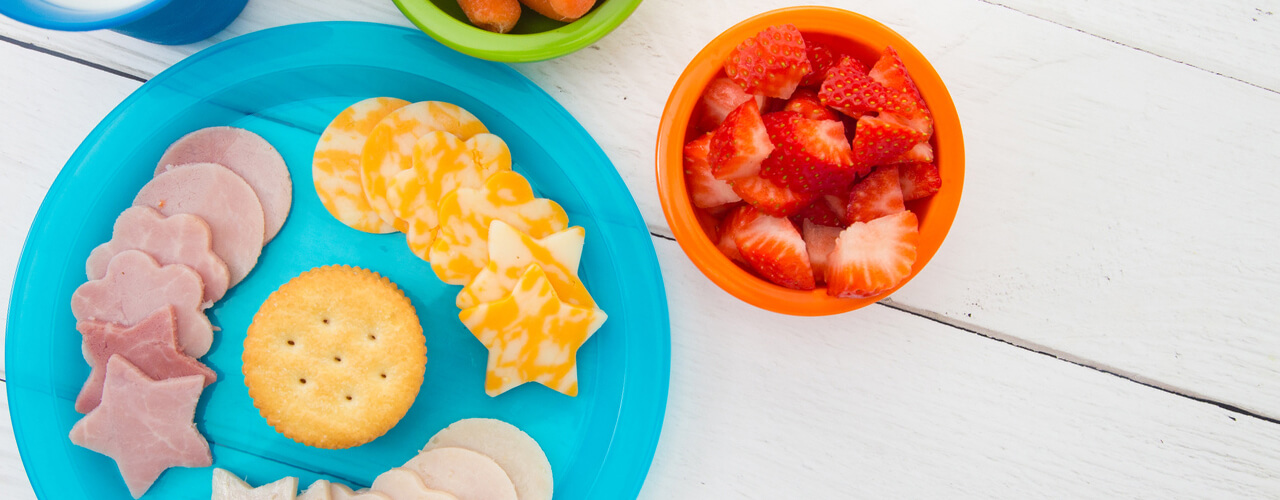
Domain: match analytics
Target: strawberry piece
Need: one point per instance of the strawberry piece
(839, 205)
(920, 122)
(876, 195)
(720, 97)
(877, 141)
(728, 228)
(871, 258)
(850, 91)
(769, 197)
(806, 103)
(892, 73)
(819, 240)
(918, 180)
(809, 155)
(821, 58)
(820, 212)
(774, 249)
(771, 63)
(705, 190)
(709, 224)
(922, 152)
(740, 143)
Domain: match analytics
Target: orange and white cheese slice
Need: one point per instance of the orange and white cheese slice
(532, 335)
(335, 167)
(441, 164)
(389, 149)
(510, 254)
(461, 249)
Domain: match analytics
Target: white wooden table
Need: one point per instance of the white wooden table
(1101, 323)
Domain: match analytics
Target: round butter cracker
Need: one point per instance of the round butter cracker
(335, 357)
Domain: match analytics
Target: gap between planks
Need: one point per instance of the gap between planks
(1125, 45)
(889, 303)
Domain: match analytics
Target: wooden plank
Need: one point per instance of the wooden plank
(890, 405)
(1236, 38)
(49, 105)
(14, 484)
(1098, 222)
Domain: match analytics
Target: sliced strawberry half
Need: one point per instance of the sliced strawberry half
(774, 249)
(720, 97)
(918, 180)
(922, 152)
(849, 90)
(740, 143)
(871, 258)
(821, 58)
(728, 227)
(771, 63)
(810, 155)
(819, 240)
(820, 212)
(705, 190)
(771, 198)
(876, 195)
(877, 141)
(892, 73)
(839, 205)
(806, 103)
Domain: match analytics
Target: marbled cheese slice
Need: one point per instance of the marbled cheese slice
(441, 164)
(461, 249)
(512, 251)
(335, 167)
(532, 335)
(389, 149)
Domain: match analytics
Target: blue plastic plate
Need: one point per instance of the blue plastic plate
(286, 84)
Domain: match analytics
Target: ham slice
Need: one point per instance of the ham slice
(220, 197)
(249, 156)
(404, 484)
(516, 452)
(463, 473)
(144, 425)
(179, 239)
(135, 286)
(151, 346)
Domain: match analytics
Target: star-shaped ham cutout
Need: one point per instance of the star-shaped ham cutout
(532, 335)
(461, 249)
(512, 251)
(226, 486)
(144, 425)
(151, 346)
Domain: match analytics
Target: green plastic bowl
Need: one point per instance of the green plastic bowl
(535, 38)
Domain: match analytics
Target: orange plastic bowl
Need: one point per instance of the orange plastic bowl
(859, 36)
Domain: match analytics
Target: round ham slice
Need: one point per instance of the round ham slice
(516, 452)
(179, 239)
(225, 202)
(249, 156)
(400, 483)
(136, 286)
(463, 473)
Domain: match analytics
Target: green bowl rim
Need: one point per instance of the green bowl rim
(463, 37)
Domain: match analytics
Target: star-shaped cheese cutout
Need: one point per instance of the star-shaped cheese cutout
(151, 346)
(144, 425)
(461, 249)
(532, 335)
(226, 486)
(441, 164)
(389, 148)
(318, 490)
(510, 254)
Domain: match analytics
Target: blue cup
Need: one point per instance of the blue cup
(166, 22)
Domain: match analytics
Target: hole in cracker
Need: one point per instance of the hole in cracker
(384, 375)
(325, 320)
(302, 381)
(348, 398)
(289, 342)
(373, 337)
(337, 359)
